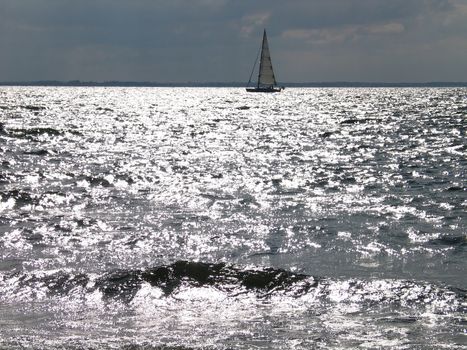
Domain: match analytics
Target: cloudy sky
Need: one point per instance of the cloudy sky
(217, 40)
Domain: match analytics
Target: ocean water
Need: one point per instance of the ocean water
(210, 218)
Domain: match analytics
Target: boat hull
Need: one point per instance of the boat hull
(273, 89)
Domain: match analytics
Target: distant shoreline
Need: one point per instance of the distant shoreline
(78, 83)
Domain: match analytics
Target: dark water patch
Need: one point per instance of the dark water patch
(349, 121)
(21, 197)
(11, 264)
(462, 293)
(358, 121)
(450, 241)
(85, 222)
(5, 178)
(217, 197)
(274, 280)
(400, 320)
(105, 109)
(289, 191)
(62, 228)
(180, 169)
(349, 180)
(248, 200)
(73, 132)
(455, 189)
(98, 181)
(326, 134)
(40, 152)
(127, 178)
(33, 108)
(4, 220)
(32, 237)
(60, 283)
(33, 133)
(243, 108)
(221, 274)
(95, 180)
(121, 285)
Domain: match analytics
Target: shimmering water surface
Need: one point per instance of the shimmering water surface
(216, 219)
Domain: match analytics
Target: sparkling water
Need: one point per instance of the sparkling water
(211, 218)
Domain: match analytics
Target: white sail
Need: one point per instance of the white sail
(266, 74)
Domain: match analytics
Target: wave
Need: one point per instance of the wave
(233, 282)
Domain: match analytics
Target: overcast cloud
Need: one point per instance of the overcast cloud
(217, 40)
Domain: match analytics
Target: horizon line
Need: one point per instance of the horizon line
(118, 83)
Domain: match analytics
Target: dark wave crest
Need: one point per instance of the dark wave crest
(123, 285)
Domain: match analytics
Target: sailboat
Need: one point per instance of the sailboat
(266, 79)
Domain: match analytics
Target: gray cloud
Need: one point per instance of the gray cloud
(216, 40)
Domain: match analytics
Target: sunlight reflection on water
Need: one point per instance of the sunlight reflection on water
(362, 187)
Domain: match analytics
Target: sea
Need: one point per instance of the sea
(212, 218)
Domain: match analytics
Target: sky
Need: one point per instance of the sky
(218, 40)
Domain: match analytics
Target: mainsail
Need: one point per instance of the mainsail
(266, 74)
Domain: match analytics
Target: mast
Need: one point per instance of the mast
(266, 74)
